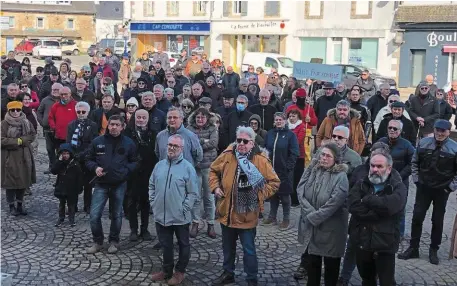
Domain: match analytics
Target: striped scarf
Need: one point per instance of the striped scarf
(77, 135)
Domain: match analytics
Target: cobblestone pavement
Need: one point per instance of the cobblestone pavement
(37, 253)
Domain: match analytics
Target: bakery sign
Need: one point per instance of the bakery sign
(434, 39)
(257, 27)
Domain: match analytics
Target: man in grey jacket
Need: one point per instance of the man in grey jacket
(162, 57)
(42, 116)
(172, 193)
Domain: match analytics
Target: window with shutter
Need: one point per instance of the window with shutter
(272, 8)
(200, 8)
(148, 8)
(226, 8)
(236, 7)
(172, 8)
(244, 8)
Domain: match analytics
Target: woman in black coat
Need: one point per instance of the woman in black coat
(282, 145)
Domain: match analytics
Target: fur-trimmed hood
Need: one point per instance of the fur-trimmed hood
(211, 121)
(331, 113)
(337, 168)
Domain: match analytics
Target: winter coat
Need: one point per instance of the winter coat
(18, 165)
(97, 116)
(451, 98)
(125, 74)
(89, 133)
(192, 149)
(46, 89)
(365, 114)
(180, 82)
(300, 133)
(266, 114)
(163, 58)
(453, 250)
(223, 173)
(130, 92)
(44, 109)
(282, 145)
(117, 156)
(380, 116)
(35, 100)
(209, 140)
(408, 132)
(427, 109)
(192, 68)
(307, 111)
(231, 81)
(323, 105)
(60, 116)
(216, 95)
(157, 120)
(69, 179)
(375, 217)
(324, 217)
(163, 105)
(173, 191)
(287, 94)
(444, 109)
(230, 124)
(375, 104)
(145, 63)
(203, 76)
(351, 158)
(30, 115)
(87, 96)
(35, 84)
(224, 112)
(368, 87)
(402, 152)
(357, 136)
(260, 133)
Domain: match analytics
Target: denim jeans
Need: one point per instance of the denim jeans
(348, 262)
(274, 205)
(165, 234)
(208, 198)
(99, 198)
(247, 237)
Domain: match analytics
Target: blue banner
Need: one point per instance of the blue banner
(323, 72)
(170, 27)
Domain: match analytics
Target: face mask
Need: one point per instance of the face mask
(240, 107)
(301, 101)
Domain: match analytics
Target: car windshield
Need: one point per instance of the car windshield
(286, 62)
(119, 44)
(51, 44)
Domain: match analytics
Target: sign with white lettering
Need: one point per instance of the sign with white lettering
(170, 28)
(323, 72)
(434, 39)
(250, 27)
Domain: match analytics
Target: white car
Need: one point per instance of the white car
(69, 47)
(47, 48)
(267, 61)
(172, 56)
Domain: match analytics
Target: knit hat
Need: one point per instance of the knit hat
(100, 69)
(14, 105)
(300, 93)
(205, 100)
(335, 151)
(66, 147)
(86, 68)
(398, 104)
(132, 100)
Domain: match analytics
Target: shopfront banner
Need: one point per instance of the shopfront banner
(323, 72)
(170, 28)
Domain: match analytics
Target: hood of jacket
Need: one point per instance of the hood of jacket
(337, 168)
(191, 120)
(352, 113)
(257, 118)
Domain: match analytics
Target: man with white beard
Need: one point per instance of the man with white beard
(376, 204)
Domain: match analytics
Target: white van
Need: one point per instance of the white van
(283, 64)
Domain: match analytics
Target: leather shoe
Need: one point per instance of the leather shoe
(193, 230)
(433, 256)
(224, 279)
(409, 254)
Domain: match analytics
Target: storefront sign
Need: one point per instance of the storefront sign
(434, 39)
(323, 72)
(251, 27)
(170, 28)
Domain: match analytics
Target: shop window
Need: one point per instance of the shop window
(271, 63)
(148, 8)
(11, 22)
(337, 50)
(355, 44)
(172, 8)
(40, 22)
(235, 8)
(361, 9)
(272, 9)
(314, 9)
(270, 44)
(175, 43)
(70, 24)
(313, 48)
(199, 8)
(363, 52)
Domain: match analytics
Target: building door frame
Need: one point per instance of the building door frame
(418, 68)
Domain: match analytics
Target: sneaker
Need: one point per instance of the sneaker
(224, 279)
(433, 256)
(269, 221)
(113, 248)
(133, 236)
(146, 235)
(343, 282)
(94, 248)
(160, 276)
(284, 225)
(157, 246)
(300, 273)
(211, 232)
(59, 222)
(193, 230)
(177, 278)
(409, 254)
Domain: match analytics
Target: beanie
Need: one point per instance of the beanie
(300, 93)
(14, 105)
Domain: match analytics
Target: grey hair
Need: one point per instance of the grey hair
(12, 85)
(187, 101)
(243, 81)
(343, 102)
(342, 129)
(82, 104)
(398, 122)
(168, 89)
(211, 78)
(57, 85)
(177, 136)
(242, 96)
(385, 155)
(159, 86)
(147, 93)
(246, 130)
(179, 110)
(394, 96)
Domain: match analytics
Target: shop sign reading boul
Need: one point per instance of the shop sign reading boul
(434, 39)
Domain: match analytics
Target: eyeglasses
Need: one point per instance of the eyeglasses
(131, 106)
(392, 101)
(172, 117)
(87, 72)
(15, 110)
(439, 93)
(171, 82)
(338, 137)
(245, 141)
(241, 102)
(424, 88)
(24, 86)
(173, 146)
(24, 70)
(64, 93)
(393, 128)
(81, 112)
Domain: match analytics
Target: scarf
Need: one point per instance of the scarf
(292, 126)
(78, 134)
(18, 127)
(247, 201)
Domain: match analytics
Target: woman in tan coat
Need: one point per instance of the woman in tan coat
(18, 166)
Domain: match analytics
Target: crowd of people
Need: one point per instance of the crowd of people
(174, 141)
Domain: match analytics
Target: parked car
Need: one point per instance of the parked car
(282, 64)
(103, 44)
(120, 48)
(352, 72)
(47, 48)
(91, 50)
(69, 47)
(199, 50)
(25, 47)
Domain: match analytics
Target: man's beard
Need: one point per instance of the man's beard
(377, 179)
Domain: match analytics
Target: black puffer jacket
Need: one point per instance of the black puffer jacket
(425, 108)
(266, 113)
(69, 176)
(408, 132)
(88, 133)
(375, 221)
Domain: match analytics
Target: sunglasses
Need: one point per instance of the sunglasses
(87, 72)
(338, 137)
(131, 106)
(141, 83)
(424, 88)
(24, 86)
(186, 107)
(392, 101)
(245, 141)
(439, 93)
(24, 70)
(393, 128)
(81, 112)
(15, 110)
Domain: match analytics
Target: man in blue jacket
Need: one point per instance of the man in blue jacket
(113, 158)
(172, 192)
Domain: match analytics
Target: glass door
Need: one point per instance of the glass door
(417, 66)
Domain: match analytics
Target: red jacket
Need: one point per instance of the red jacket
(108, 71)
(307, 111)
(35, 100)
(60, 116)
(300, 133)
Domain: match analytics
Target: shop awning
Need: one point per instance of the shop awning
(450, 49)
